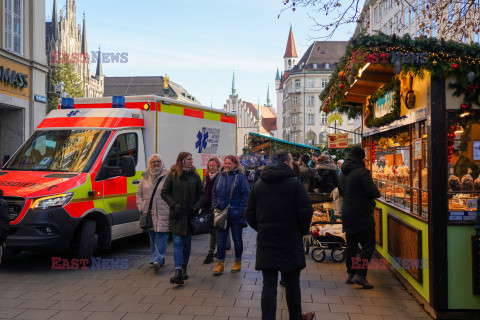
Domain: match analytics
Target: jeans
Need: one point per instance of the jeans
(237, 230)
(213, 242)
(158, 246)
(367, 239)
(292, 290)
(182, 246)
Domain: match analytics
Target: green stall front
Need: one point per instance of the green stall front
(420, 108)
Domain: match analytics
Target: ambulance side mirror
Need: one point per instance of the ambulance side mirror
(128, 167)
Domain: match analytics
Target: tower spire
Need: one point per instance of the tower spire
(234, 91)
(99, 72)
(55, 28)
(290, 57)
(84, 36)
(278, 75)
(268, 96)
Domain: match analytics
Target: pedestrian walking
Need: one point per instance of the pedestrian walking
(154, 178)
(231, 190)
(358, 191)
(213, 165)
(183, 192)
(327, 172)
(280, 211)
(4, 223)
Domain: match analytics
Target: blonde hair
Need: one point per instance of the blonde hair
(155, 155)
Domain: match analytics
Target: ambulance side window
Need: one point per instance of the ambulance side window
(125, 145)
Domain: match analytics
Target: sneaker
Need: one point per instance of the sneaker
(349, 278)
(308, 316)
(156, 266)
(208, 259)
(177, 278)
(362, 281)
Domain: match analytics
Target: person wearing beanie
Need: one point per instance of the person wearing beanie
(358, 191)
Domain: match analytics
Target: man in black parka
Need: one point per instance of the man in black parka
(358, 191)
(280, 211)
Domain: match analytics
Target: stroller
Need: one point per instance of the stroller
(325, 231)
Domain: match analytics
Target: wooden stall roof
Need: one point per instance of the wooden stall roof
(373, 76)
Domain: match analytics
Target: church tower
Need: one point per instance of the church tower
(290, 57)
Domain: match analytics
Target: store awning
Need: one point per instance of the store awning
(370, 78)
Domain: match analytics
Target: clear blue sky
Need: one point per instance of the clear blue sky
(198, 43)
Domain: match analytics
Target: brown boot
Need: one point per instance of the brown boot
(219, 269)
(308, 316)
(236, 266)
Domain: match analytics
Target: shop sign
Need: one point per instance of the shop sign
(334, 117)
(15, 78)
(383, 105)
(417, 149)
(337, 141)
(476, 150)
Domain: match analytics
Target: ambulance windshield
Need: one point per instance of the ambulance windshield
(59, 150)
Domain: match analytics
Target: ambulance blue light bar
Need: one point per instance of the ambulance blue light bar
(118, 102)
(67, 103)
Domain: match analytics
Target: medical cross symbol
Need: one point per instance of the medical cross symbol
(202, 137)
(72, 113)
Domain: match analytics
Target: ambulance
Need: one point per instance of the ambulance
(73, 183)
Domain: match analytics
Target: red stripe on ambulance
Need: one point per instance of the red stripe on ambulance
(90, 122)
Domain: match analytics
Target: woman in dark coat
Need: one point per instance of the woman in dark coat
(280, 211)
(231, 189)
(328, 174)
(213, 165)
(183, 192)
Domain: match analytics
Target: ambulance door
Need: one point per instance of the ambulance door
(119, 193)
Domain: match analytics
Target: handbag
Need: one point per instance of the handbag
(201, 223)
(148, 223)
(221, 216)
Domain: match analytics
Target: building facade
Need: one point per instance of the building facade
(67, 42)
(251, 117)
(417, 17)
(23, 71)
(298, 89)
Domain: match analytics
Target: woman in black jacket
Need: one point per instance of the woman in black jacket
(280, 211)
(327, 172)
(183, 192)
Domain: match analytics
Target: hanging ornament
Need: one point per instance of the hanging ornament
(452, 129)
(341, 74)
(397, 67)
(434, 62)
(464, 107)
(471, 76)
(455, 66)
(384, 57)
(341, 85)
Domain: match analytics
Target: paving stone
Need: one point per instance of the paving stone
(133, 307)
(138, 316)
(231, 312)
(157, 299)
(10, 313)
(71, 315)
(11, 294)
(357, 301)
(384, 311)
(198, 310)
(36, 304)
(175, 317)
(331, 316)
(101, 306)
(106, 315)
(359, 316)
(69, 305)
(36, 314)
(247, 303)
(350, 308)
(98, 297)
(209, 318)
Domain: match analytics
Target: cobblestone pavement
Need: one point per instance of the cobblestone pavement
(32, 290)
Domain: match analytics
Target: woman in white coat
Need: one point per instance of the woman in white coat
(160, 211)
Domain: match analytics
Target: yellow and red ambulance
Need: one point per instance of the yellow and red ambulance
(73, 183)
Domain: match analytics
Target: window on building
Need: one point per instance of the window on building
(297, 84)
(323, 119)
(327, 65)
(324, 82)
(13, 21)
(380, 12)
(434, 31)
(311, 119)
(314, 66)
(385, 8)
(476, 37)
(451, 12)
(310, 101)
(295, 101)
(294, 137)
(375, 14)
(397, 23)
(406, 16)
(413, 13)
(295, 119)
(311, 83)
(390, 26)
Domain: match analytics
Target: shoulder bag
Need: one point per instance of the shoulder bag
(221, 216)
(148, 222)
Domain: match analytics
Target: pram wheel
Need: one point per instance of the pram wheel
(338, 254)
(306, 244)
(318, 254)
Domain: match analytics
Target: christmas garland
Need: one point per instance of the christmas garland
(392, 115)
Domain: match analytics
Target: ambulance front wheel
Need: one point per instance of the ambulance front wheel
(88, 240)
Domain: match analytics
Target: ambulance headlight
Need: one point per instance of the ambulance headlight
(52, 201)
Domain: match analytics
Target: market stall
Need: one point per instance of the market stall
(260, 144)
(420, 106)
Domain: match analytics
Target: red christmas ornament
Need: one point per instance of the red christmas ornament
(464, 107)
(455, 66)
(341, 85)
(384, 57)
(452, 129)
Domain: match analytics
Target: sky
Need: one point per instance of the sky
(198, 44)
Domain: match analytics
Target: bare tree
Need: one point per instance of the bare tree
(452, 19)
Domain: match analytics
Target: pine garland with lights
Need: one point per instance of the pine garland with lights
(392, 115)
(445, 58)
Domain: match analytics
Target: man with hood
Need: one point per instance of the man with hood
(328, 173)
(358, 191)
(280, 211)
